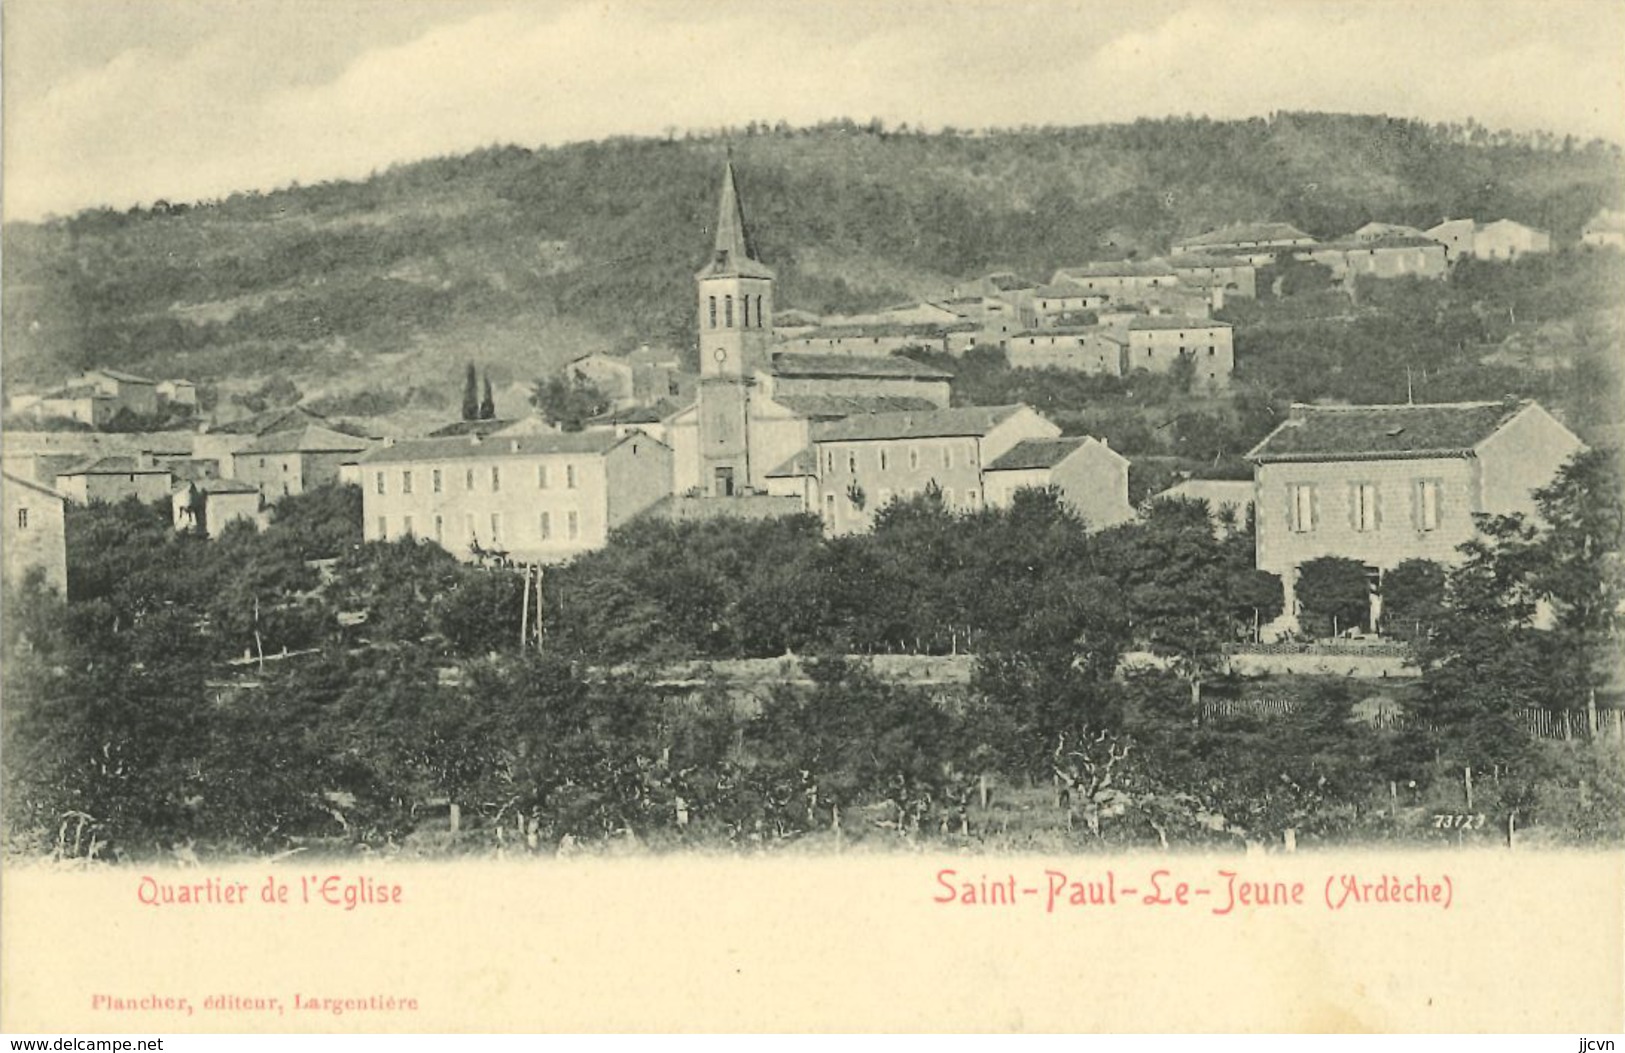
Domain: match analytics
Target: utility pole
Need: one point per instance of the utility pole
(524, 612)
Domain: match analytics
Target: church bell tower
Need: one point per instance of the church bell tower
(736, 332)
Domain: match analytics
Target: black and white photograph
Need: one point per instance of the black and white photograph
(892, 514)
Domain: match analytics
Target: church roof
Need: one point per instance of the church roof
(812, 364)
(735, 252)
(924, 424)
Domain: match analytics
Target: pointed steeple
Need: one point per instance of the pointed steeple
(735, 253)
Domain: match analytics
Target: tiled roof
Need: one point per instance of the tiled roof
(803, 463)
(119, 375)
(1063, 291)
(928, 330)
(1037, 453)
(470, 427)
(1070, 330)
(1335, 433)
(834, 407)
(78, 391)
(924, 424)
(1164, 321)
(466, 448)
(809, 364)
(1191, 261)
(31, 485)
(1247, 233)
(1118, 269)
(270, 421)
(116, 466)
(313, 438)
(215, 486)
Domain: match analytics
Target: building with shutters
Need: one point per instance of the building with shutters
(1384, 484)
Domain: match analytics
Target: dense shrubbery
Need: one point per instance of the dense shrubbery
(127, 730)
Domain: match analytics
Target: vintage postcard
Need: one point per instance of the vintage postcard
(812, 516)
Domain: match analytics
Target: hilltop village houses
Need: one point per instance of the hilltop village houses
(837, 416)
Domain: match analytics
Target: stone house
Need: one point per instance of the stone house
(1605, 230)
(1092, 478)
(537, 498)
(1157, 342)
(1258, 243)
(1503, 239)
(1077, 349)
(112, 479)
(1383, 484)
(291, 462)
(211, 504)
(34, 532)
(136, 394)
(857, 465)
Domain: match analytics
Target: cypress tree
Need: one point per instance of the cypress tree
(471, 395)
(488, 405)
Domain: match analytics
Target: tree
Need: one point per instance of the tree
(1413, 599)
(471, 395)
(568, 401)
(488, 404)
(1333, 595)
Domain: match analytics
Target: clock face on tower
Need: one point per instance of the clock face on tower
(720, 354)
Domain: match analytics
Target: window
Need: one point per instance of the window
(883, 460)
(759, 323)
(541, 477)
(1427, 505)
(496, 478)
(947, 456)
(262, 462)
(406, 525)
(713, 312)
(406, 482)
(970, 498)
(572, 525)
(439, 528)
(22, 519)
(496, 526)
(468, 480)
(546, 526)
(434, 481)
(378, 481)
(829, 461)
(1365, 506)
(744, 305)
(383, 527)
(852, 461)
(913, 457)
(728, 312)
(569, 477)
(1302, 498)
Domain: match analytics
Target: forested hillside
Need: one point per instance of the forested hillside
(518, 259)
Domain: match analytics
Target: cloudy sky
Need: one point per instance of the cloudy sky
(124, 101)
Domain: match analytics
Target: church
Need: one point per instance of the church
(756, 407)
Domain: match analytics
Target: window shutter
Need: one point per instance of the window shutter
(1354, 506)
(1416, 506)
(1314, 507)
(1291, 507)
(1376, 507)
